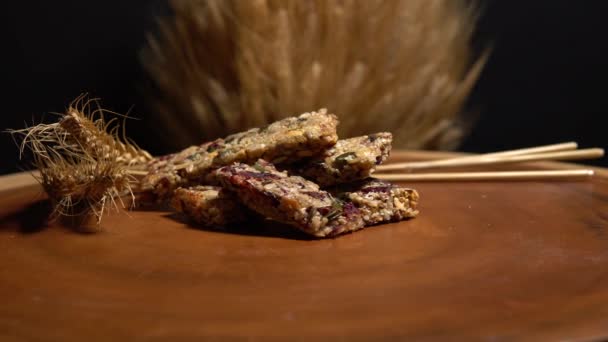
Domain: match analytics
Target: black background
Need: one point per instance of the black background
(544, 83)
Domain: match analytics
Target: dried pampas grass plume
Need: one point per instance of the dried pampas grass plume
(83, 169)
(221, 66)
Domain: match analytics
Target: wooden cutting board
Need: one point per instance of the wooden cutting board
(484, 260)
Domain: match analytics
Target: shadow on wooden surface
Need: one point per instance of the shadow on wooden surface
(257, 227)
(33, 218)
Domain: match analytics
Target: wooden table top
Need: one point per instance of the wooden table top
(484, 260)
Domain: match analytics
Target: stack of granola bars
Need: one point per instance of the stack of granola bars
(294, 171)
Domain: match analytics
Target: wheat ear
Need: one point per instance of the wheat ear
(83, 168)
(83, 127)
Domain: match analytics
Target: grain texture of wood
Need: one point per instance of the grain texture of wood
(483, 261)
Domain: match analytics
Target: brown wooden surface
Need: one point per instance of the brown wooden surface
(495, 261)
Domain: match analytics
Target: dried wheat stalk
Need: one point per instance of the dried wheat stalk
(79, 184)
(96, 135)
(221, 66)
(83, 168)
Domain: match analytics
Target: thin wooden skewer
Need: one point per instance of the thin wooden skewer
(137, 172)
(589, 153)
(571, 145)
(488, 176)
(523, 151)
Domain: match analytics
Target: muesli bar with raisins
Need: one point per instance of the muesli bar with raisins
(379, 201)
(284, 141)
(289, 199)
(210, 206)
(347, 161)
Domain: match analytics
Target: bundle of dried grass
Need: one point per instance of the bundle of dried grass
(83, 169)
(222, 66)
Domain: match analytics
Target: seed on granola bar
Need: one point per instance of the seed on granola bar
(349, 160)
(290, 199)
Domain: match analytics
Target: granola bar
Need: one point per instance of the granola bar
(166, 173)
(290, 199)
(209, 205)
(379, 201)
(349, 160)
(284, 141)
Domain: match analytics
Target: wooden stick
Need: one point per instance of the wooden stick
(589, 153)
(137, 172)
(488, 176)
(523, 151)
(571, 145)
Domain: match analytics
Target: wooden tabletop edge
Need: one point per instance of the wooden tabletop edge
(18, 180)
